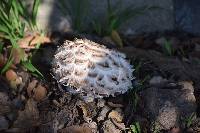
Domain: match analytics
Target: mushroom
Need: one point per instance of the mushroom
(92, 69)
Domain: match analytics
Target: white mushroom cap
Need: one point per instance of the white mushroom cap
(92, 69)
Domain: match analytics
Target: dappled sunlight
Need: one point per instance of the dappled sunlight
(50, 17)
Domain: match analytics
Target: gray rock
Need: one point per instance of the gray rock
(187, 15)
(51, 17)
(167, 107)
(177, 14)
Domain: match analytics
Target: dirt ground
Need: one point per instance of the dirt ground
(166, 61)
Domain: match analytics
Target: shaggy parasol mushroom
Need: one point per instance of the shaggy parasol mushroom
(91, 69)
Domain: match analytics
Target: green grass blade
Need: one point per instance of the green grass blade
(1, 47)
(123, 15)
(63, 7)
(6, 67)
(15, 7)
(28, 65)
(22, 30)
(15, 22)
(6, 36)
(35, 11)
(168, 48)
(4, 29)
(3, 14)
(23, 11)
(135, 128)
(13, 41)
(4, 19)
(77, 10)
(97, 27)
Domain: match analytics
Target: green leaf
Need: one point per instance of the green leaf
(28, 65)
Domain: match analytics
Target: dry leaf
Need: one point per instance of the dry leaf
(119, 125)
(103, 113)
(31, 86)
(175, 130)
(116, 38)
(39, 93)
(40, 39)
(75, 129)
(17, 55)
(2, 60)
(116, 114)
(29, 117)
(31, 41)
(109, 127)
